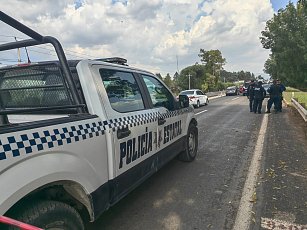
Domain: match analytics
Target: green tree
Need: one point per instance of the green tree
(213, 60)
(167, 80)
(209, 83)
(197, 76)
(159, 76)
(286, 36)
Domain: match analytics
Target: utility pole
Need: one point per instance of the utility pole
(189, 75)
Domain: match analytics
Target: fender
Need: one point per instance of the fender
(190, 119)
(37, 171)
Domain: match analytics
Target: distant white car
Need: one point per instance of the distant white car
(196, 97)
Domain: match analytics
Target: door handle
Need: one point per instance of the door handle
(122, 133)
(161, 121)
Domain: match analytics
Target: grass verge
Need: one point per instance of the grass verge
(301, 96)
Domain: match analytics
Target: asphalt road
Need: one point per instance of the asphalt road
(206, 193)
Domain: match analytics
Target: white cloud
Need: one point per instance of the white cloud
(151, 33)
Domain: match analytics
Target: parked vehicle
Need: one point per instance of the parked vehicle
(243, 88)
(266, 87)
(77, 136)
(196, 97)
(232, 90)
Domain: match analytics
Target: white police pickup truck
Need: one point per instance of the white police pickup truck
(77, 136)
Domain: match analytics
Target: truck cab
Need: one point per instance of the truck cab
(77, 136)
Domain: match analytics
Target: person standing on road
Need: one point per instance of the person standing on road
(282, 88)
(259, 95)
(274, 91)
(250, 94)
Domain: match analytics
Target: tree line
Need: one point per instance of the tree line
(209, 75)
(285, 35)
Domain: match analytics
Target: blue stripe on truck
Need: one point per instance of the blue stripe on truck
(38, 141)
(26, 143)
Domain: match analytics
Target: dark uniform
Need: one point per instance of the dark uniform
(250, 95)
(259, 95)
(275, 96)
(282, 88)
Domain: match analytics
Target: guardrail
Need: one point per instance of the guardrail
(213, 94)
(300, 109)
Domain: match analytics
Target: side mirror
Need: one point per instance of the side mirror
(184, 101)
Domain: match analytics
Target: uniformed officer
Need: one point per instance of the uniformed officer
(274, 91)
(282, 88)
(259, 95)
(250, 94)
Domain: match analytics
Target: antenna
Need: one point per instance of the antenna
(27, 55)
(18, 52)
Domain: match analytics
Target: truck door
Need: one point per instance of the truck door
(170, 123)
(132, 127)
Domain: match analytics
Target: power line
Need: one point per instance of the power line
(9, 36)
(10, 60)
(53, 52)
(66, 50)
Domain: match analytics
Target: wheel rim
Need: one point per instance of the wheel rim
(198, 104)
(192, 144)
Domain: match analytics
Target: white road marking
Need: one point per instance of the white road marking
(299, 175)
(201, 112)
(235, 98)
(271, 224)
(244, 213)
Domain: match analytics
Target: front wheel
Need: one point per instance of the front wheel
(198, 104)
(207, 102)
(191, 145)
(50, 215)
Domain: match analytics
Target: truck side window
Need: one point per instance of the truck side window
(159, 94)
(122, 89)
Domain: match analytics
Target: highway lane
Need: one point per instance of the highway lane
(204, 194)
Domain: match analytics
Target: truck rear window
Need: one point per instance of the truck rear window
(33, 87)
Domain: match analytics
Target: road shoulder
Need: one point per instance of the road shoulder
(282, 189)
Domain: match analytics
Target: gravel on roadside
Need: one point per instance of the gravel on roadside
(281, 197)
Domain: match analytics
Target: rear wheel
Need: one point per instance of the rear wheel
(198, 104)
(50, 215)
(207, 102)
(191, 145)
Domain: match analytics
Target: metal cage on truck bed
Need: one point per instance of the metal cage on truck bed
(25, 89)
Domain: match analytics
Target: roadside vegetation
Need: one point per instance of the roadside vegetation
(297, 94)
(285, 35)
(207, 75)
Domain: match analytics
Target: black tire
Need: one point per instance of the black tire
(207, 102)
(191, 145)
(198, 104)
(50, 215)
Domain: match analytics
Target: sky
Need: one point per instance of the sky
(161, 36)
